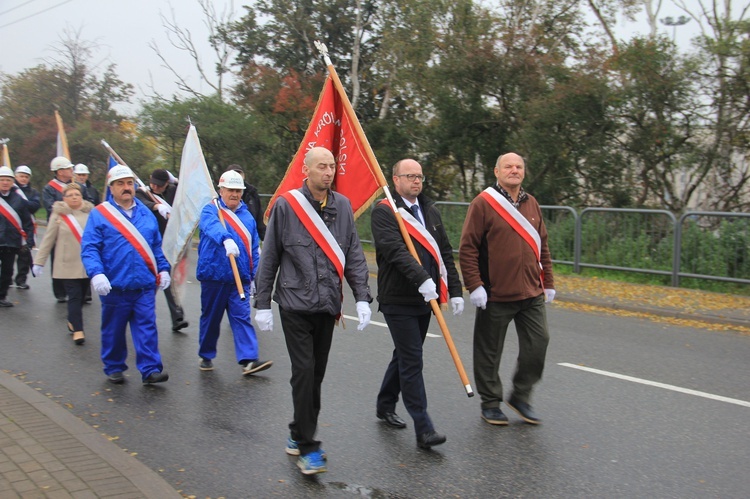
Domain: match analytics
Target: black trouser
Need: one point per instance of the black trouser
(76, 290)
(175, 310)
(23, 263)
(7, 259)
(308, 340)
(404, 372)
(58, 287)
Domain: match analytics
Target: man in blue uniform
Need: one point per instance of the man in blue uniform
(228, 229)
(121, 250)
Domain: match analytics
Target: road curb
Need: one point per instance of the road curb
(711, 319)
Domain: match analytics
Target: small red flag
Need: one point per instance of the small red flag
(335, 127)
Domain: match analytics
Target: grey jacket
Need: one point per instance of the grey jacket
(307, 280)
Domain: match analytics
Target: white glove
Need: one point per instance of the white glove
(101, 284)
(231, 247)
(364, 313)
(428, 290)
(164, 210)
(264, 318)
(458, 305)
(478, 297)
(549, 295)
(172, 178)
(164, 280)
(37, 270)
(252, 288)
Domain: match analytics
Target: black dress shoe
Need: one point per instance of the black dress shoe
(430, 439)
(156, 377)
(392, 419)
(524, 410)
(179, 324)
(116, 378)
(23, 285)
(5, 303)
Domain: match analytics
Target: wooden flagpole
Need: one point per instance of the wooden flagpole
(407, 239)
(232, 259)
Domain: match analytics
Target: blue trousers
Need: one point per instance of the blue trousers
(137, 308)
(216, 298)
(404, 372)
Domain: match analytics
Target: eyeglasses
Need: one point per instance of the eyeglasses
(411, 177)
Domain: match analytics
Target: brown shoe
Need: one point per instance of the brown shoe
(78, 338)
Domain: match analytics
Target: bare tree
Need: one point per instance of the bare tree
(213, 74)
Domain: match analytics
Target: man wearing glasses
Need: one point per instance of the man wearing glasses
(405, 288)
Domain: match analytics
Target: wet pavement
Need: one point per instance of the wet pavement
(219, 434)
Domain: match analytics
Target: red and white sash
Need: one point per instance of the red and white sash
(57, 185)
(517, 221)
(235, 223)
(420, 233)
(23, 195)
(73, 225)
(317, 229)
(131, 234)
(157, 198)
(161, 200)
(8, 212)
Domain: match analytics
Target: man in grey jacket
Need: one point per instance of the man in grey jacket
(312, 243)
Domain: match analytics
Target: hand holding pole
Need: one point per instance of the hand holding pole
(407, 239)
(232, 261)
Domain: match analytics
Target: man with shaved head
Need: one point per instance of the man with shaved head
(312, 244)
(405, 288)
(507, 268)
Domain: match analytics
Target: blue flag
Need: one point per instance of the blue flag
(110, 163)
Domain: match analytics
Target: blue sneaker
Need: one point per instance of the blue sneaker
(293, 449)
(312, 463)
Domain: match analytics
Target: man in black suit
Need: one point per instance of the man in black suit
(405, 288)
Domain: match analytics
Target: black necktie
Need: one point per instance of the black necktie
(415, 210)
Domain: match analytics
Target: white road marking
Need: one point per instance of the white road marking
(383, 324)
(658, 385)
(372, 323)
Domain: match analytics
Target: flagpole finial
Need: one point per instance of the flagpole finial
(4, 141)
(323, 51)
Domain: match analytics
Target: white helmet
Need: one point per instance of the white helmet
(5, 171)
(23, 169)
(231, 180)
(119, 171)
(81, 168)
(60, 163)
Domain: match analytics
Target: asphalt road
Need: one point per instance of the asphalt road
(217, 434)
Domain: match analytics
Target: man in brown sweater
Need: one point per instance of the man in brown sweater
(504, 223)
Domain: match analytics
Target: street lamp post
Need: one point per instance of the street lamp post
(670, 21)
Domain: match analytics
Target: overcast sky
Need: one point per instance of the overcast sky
(123, 29)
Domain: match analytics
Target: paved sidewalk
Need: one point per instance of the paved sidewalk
(46, 452)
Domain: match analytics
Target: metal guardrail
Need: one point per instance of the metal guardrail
(624, 239)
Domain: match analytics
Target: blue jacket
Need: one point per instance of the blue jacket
(104, 250)
(213, 263)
